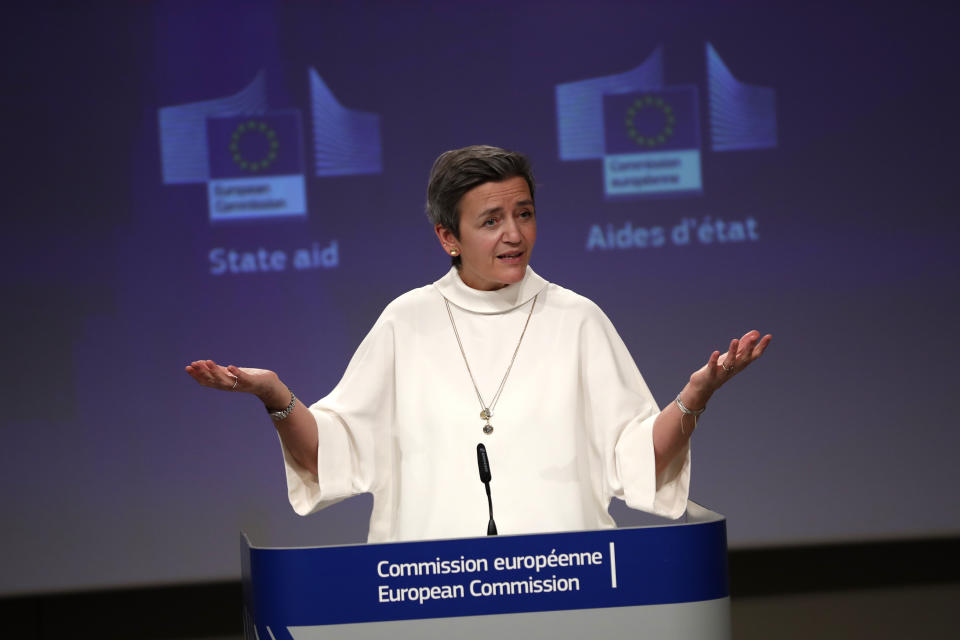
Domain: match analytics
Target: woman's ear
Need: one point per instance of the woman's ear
(448, 241)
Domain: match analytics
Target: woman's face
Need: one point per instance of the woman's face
(498, 227)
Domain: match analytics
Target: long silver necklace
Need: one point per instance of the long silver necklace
(486, 411)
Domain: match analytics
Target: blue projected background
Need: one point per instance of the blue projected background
(245, 182)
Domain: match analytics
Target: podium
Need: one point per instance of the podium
(662, 581)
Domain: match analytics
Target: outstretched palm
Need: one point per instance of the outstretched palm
(245, 379)
(720, 368)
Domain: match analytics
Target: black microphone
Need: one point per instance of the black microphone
(483, 463)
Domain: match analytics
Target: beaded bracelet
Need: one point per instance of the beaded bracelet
(277, 416)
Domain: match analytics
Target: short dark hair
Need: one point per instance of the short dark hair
(456, 172)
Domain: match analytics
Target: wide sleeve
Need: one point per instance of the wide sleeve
(621, 411)
(352, 455)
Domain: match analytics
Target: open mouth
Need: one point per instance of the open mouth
(511, 257)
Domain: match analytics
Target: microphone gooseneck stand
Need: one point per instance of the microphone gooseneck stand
(483, 463)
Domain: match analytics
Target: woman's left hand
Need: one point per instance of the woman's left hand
(721, 368)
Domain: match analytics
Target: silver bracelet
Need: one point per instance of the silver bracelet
(688, 412)
(277, 416)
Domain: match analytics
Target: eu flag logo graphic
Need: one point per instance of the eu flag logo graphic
(256, 166)
(652, 142)
(247, 146)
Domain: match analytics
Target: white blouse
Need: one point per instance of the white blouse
(573, 426)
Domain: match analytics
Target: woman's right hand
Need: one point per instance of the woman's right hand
(263, 383)
(298, 430)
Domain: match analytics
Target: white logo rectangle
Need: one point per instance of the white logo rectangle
(257, 197)
(631, 174)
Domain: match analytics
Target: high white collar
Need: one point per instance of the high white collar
(501, 300)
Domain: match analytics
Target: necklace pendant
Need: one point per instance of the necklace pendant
(485, 414)
(488, 428)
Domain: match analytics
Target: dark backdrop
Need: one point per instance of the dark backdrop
(118, 470)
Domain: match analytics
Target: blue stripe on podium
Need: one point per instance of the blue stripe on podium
(489, 575)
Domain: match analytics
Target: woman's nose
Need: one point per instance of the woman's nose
(511, 231)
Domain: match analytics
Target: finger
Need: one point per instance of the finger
(236, 378)
(730, 357)
(755, 349)
(213, 371)
(199, 372)
(200, 366)
(747, 344)
(714, 359)
(755, 352)
(716, 364)
(216, 375)
(225, 379)
(217, 369)
(195, 369)
(762, 346)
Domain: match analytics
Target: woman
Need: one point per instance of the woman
(489, 353)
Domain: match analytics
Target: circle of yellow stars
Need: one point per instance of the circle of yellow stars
(650, 102)
(253, 127)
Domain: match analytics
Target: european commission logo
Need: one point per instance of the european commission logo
(652, 142)
(256, 166)
(648, 134)
(252, 158)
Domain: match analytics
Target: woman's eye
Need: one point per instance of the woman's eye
(489, 222)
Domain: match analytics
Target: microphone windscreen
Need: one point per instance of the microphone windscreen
(483, 463)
